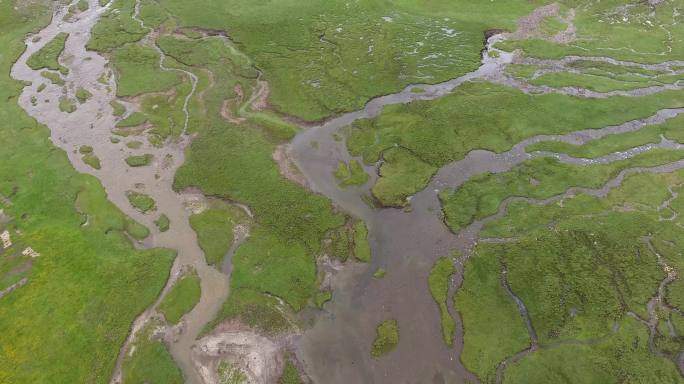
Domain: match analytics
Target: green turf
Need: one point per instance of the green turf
(386, 339)
(351, 173)
(322, 297)
(163, 223)
(152, 14)
(214, 227)
(180, 300)
(482, 289)
(520, 70)
(82, 95)
(133, 120)
(605, 29)
(165, 112)
(362, 250)
(401, 175)
(438, 282)
(478, 115)
(118, 108)
(255, 309)
(53, 77)
(336, 54)
(66, 105)
(150, 361)
(590, 82)
(116, 28)
(481, 196)
(229, 374)
(139, 160)
(141, 201)
(578, 267)
(89, 283)
(48, 56)
(651, 134)
(92, 160)
(267, 263)
(137, 71)
(290, 374)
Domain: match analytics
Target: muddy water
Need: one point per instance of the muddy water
(406, 244)
(336, 349)
(91, 124)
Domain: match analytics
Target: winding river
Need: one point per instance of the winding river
(335, 349)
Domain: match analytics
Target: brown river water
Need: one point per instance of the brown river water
(336, 347)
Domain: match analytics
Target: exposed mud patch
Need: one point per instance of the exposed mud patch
(287, 167)
(259, 358)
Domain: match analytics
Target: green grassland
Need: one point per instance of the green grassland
(401, 175)
(133, 120)
(184, 295)
(349, 241)
(438, 281)
(289, 223)
(481, 196)
(139, 160)
(165, 112)
(150, 362)
(386, 339)
(163, 223)
(335, 55)
(53, 77)
(66, 105)
(214, 227)
(68, 323)
(639, 32)
(138, 72)
(578, 277)
(362, 250)
(671, 129)
(579, 267)
(118, 108)
(116, 28)
(477, 115)
(48, 56)
(92, 160)
(590, 82)
(351, 173)
(141, 201)
(290, 374)
(82, 95)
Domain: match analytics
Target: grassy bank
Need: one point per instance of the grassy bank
(478, 115)
(579, 268)
(68, 323)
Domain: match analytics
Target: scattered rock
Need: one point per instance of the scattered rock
(30, 252)
(6, 239)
